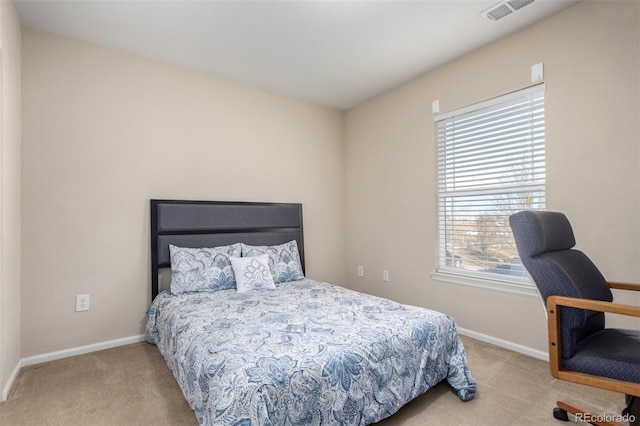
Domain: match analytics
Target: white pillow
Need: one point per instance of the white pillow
(284, 260)
(252, 273)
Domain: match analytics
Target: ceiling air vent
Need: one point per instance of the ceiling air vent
(505, 8)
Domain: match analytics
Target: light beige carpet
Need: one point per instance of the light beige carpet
(131, 385)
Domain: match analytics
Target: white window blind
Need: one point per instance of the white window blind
(491, 164)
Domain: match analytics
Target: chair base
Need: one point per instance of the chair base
(562, 411)
(631, 412)
(560, 414)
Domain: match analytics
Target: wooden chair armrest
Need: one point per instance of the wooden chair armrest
(624, 286)
(593, 305)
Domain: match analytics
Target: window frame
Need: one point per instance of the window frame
(450, 273)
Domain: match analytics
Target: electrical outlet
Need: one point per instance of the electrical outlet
(385, 276)
(82, 302)
(360, 271)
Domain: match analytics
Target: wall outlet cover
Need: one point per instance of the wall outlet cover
(82, 302)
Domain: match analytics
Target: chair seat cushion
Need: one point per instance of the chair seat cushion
(612, 353)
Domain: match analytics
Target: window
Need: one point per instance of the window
(491, 163)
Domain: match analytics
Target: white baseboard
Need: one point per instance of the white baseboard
(12, 379)
(66, 353)
(535, 353)
(52, 356)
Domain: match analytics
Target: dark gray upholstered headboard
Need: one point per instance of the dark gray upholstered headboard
(216, 223)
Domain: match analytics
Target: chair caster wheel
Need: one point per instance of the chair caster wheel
(560, 414)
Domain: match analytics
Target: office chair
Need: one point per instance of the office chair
(576, 296)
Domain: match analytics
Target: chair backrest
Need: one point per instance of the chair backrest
(545, 244)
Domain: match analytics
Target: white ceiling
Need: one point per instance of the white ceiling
(333, 53)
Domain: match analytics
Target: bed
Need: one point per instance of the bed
(295, 352)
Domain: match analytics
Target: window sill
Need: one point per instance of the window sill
(520, 287)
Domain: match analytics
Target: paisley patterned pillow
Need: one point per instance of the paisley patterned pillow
(284, 260)
(202, 269)
(252, 273)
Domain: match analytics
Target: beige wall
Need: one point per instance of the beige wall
(10, 40)
(591, 56)
(104, 132)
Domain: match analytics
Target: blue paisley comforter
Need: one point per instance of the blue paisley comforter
(307, 353)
